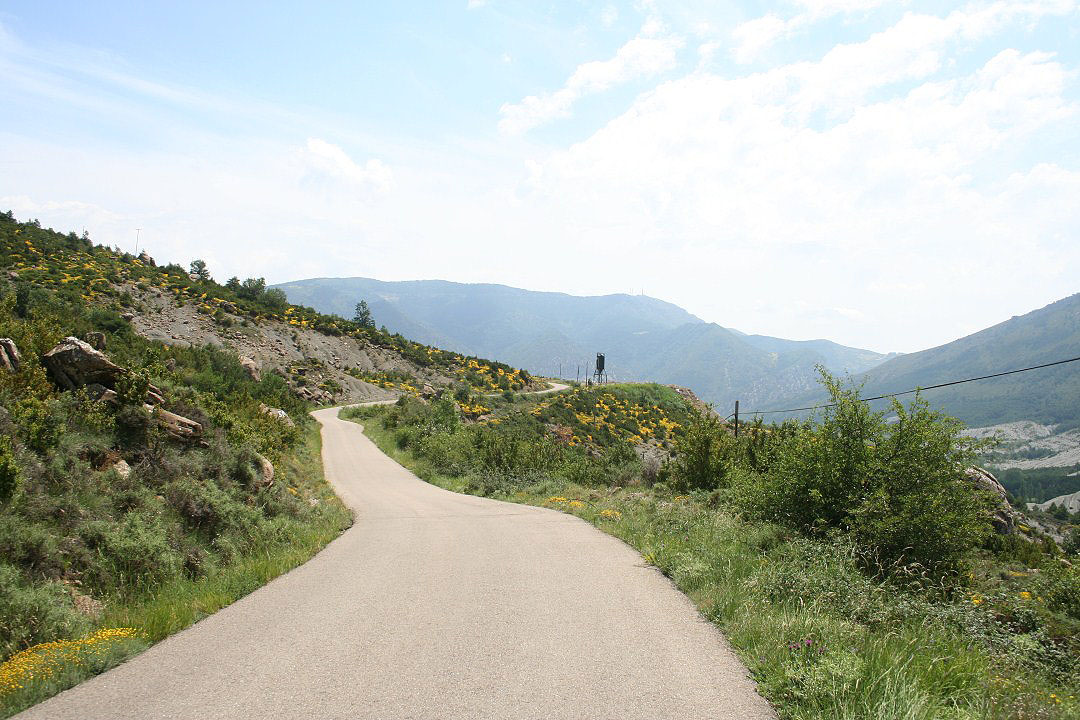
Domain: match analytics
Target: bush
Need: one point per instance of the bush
(9, 470)
(703, 455)
(30, 614)
(898, 489)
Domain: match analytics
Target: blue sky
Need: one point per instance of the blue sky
(890, 175)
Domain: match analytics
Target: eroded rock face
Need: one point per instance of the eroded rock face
(10, 359)
(74, 364)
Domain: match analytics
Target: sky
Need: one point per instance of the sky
(888, 175)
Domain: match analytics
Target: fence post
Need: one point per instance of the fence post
(736, 418)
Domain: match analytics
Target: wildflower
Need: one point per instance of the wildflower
(1025, 595)
(976, 599)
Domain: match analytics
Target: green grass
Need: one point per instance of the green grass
(179, 603)
(821, 638)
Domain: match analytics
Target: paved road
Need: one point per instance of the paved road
(437, 605)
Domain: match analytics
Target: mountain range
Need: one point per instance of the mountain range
(556, 334)
(649, 339)
(1049, 395)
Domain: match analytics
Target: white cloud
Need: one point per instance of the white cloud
(651, 52)
(978, 19)
(474, 4)
(334, 161)
(823, 177)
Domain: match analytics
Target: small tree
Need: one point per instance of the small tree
(199, 270)
(363, 315)
(701, 455)
(252, 288)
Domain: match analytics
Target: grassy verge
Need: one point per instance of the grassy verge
(131, 622)
(821, 637)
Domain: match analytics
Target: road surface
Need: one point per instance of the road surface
(437, 605)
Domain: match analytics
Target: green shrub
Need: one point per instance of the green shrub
(898, 489)
(9, 470)
(703, 455)
(30, 614)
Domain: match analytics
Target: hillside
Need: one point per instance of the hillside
(1050, 396)
(157, 459)
(548, 333)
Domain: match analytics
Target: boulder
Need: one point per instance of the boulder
(145, 259)
(265, 471)
(122, 468)
(95, 340)
(97, 391)
(176, 426)
(1004, 517)
(74, 364)
(277, 413)
(251, 367)
(129, 316)
(10, 359)
(427, 391)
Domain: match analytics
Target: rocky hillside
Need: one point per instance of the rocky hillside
(324, 358)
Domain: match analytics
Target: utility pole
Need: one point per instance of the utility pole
(137, 231)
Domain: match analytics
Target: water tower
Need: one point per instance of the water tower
(600, 374)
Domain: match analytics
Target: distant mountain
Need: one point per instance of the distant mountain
(1050, 395)
(554, 333)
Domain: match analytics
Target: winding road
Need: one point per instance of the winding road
(437, 605)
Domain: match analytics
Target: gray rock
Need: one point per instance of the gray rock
(266, 471)
(176, 426)
(277, 413)
(74, 364)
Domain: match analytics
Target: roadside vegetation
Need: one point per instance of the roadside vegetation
(114, 533)
(849, 560)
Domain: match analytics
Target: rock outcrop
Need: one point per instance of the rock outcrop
(177, 426)
(1004, 518)
(277, 413)
(251, 368)
(265, 471)
(10, 359)
(74, 364)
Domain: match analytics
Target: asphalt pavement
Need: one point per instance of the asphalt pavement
(437, 605)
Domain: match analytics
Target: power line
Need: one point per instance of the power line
(928, 387)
